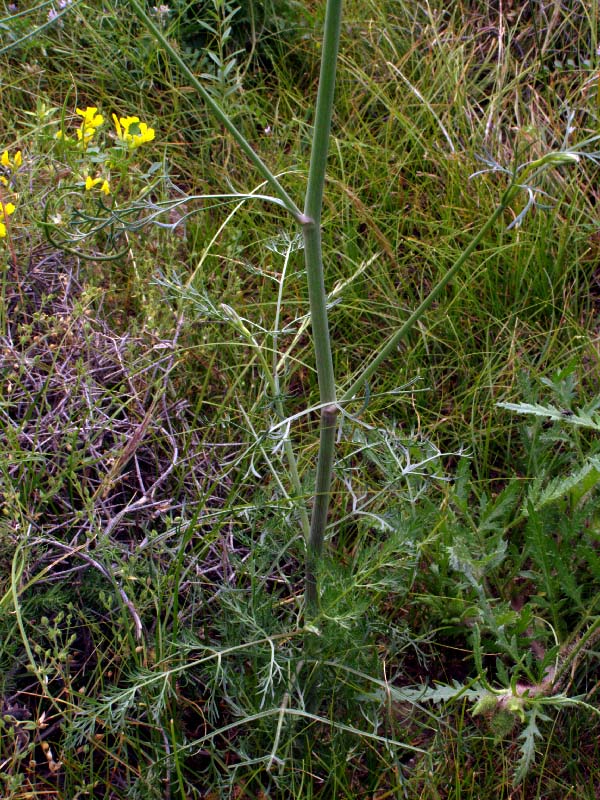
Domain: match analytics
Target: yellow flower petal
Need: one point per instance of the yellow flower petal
(18, 158)
(127, 122)
(6, 209)
(146, 134)
(88, 114)
(91, 183)
(5, 160)
(91, 121)
(118, 126)
(2, 230)
(132, 131)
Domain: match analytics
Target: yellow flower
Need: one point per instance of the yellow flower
(85, 134)
(131, 131)
(9, 167)
(146, 134)
(90, 183)
(118, 127)
(12, 165)
(91, 120)
(6, 209)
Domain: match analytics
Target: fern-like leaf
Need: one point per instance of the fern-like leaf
(580, 418)
(438, 694)
(530, 733)
(584, 478)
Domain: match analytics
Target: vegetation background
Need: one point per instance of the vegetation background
(151, 557)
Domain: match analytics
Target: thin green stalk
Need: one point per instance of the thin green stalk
(318, 298)
(289, 450)
(273, 384)
(220, 114)
(318, 522)
(310, 220)
(574, 649)
(16, 573)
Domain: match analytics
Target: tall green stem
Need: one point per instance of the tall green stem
(310, 220)
(318, 299)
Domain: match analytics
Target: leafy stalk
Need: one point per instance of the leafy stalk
(311, 225)
(310, 219)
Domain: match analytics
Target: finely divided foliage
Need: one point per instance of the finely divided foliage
(299, 427)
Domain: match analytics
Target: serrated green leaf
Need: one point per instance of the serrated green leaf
(583, 479)
(579, 418)
(440, 693)
(530, 733)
